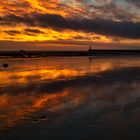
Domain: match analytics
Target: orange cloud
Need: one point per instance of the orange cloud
(70, 9)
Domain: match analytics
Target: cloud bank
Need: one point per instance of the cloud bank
(125, 29)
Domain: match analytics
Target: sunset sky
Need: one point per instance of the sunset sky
(69, 24)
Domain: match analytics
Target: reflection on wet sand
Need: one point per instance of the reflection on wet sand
(101, 96)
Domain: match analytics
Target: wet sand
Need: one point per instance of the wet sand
(70, 98)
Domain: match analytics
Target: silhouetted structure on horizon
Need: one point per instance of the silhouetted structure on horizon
(89, 52)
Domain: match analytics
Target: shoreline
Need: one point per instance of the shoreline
(91, 53)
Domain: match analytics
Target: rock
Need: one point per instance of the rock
(43, 117)
(5, 65)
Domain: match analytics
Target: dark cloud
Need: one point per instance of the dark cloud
(110, 10)
(33, 31)
(79, 37)
(100, 26)
(135, 2)
(12, 32)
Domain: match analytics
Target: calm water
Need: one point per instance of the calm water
(70, 99)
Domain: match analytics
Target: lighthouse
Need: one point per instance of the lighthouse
(90, 51)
